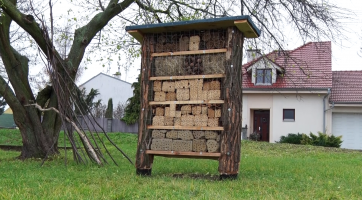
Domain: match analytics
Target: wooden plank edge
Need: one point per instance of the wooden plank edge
(179, 53)
(195, 128)
(249, 32)
(187, 102)
(137, 35)
(157, 78)
(179, 153)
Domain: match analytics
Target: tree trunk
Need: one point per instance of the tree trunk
(232, 94)
(143, 160)
(39, 133)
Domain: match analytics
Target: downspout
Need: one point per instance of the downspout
(324, 110)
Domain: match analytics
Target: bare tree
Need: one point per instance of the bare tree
(118, 113)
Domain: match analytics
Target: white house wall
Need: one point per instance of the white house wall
(308, 112)
(109, 87)
(264, 64)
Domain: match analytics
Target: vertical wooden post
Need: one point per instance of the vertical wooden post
(232, 108)
(143, 160)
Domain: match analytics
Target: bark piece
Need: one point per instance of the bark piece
(199, 145)
(182, 145)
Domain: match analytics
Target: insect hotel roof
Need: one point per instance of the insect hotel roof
(243, 23)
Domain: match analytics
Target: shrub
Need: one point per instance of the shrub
(291, 138)
(322, 139)
(255, 136)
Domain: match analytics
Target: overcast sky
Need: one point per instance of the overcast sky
(344, 52)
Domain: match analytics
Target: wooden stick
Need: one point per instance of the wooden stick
(179, 53)
(195, 128)
(158, 78)
(85, 140)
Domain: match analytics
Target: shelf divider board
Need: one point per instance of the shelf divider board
(180, 53)
(159, 78)
(187, 102)
(195, 128)
(185, 154)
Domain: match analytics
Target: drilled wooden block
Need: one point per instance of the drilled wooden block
(158, 133)
(215, 85)
(160, 111)
(211, 135)
(182, 145)
(157, 86)
(201, 120)
(172, 110)
(171, 96)
(160, 96)
(199, 145)
(204, 110)
(185, 135)
(210, 112)
(196, 94)
(206, 86)
(182, 84)
(184, 43)
(198, 134)
(168, 121)
(167, 111)
(213, 94)
(204, 95)
(186, 109)
(172, 134)
(196, 83)
(187, 120)
(168, 86)
(161, 144)
(182, 94)
(217, 112)
(194, 43)
(158, 121)
(212, 146)
(212, 122)
(177, 121)
(178, 114)
(196, 110)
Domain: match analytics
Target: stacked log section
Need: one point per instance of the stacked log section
(161, 144)
(193, 65)
(185, 141)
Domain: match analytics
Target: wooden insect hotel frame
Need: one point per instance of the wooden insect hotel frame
(191, 93)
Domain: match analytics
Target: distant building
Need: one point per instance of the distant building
(109, 87)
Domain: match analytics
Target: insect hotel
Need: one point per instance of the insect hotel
(191, 93)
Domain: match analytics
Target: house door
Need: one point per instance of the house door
(261, 123)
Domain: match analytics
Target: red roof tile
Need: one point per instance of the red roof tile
(307, 67)
(347, 87)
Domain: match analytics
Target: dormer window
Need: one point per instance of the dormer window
(264, 76)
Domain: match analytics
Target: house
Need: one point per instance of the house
(345, 117)
(287, 92)
(109, 87)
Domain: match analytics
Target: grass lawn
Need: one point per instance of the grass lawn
(267, 171)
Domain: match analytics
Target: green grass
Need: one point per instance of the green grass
(267, 171)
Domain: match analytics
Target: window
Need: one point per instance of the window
(264, 76)
(288, 115)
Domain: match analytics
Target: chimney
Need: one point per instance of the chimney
(252, 54)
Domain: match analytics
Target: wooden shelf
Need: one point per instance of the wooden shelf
(187, 102)
(159, 78)
(179, 53)
(195, 128)
(184, 154)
